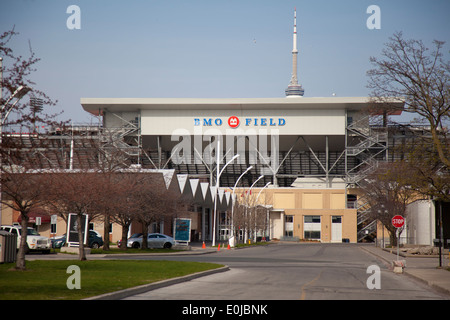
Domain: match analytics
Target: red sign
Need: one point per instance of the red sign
(398, 221)
(233, 121)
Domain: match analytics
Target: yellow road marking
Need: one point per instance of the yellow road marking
(308, 284)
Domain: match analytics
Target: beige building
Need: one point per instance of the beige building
(308, 214)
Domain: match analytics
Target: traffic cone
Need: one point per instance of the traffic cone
(203, 245)
(228, 248)
(218, 248)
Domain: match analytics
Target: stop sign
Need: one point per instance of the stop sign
(398, 221)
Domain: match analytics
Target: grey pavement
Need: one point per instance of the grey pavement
(422, 268)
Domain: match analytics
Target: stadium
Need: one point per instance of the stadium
(295, 162)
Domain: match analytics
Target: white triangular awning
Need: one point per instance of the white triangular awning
(168, 175)
(194, 185)
(182, 179)
(228, 197)
(204, 186)
(220, 195)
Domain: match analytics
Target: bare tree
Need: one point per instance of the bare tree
(388, 192)
(408, 70)
(75, 192)
(248, 217)
(16, 72)
(154, 202)
(125, 186)
(424, 170)
(22, 191)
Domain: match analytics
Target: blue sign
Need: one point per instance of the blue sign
(234, 121)
(182, 230)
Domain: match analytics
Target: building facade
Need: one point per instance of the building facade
(307, 153)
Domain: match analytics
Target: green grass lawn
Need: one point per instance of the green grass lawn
(46, 279)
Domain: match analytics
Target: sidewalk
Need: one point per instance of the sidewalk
(422, 268)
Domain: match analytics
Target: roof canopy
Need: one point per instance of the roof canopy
(96, 105)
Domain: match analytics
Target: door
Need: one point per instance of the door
(336, 229)
(153, 241)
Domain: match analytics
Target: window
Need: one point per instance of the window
(336, 219)
(315, 235)
(289, 233)
(312, 227)
(351, 201)
(288, 226)
(312, 219)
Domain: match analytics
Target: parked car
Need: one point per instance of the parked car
(154, 240)
(135, 235)
(59, 241)
(95, 240)
(35, 241)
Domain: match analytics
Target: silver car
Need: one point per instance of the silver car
(154, 240)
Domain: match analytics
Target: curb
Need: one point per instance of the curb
(432, 284)
(117, 295)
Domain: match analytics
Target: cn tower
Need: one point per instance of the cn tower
(294, 89)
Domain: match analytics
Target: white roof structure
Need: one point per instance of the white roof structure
(95, 106)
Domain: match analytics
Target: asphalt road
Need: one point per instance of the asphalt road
(294, 272)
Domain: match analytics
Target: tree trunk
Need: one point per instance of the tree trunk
(81, 253)
(144, 235)
(125, 229)
(23, 247)
(106, 224)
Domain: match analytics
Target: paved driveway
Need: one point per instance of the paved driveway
(293, 272)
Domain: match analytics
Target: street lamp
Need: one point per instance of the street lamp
(18, 93)
(259, 193)
(217, 187)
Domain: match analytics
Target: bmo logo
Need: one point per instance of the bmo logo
(233, 122)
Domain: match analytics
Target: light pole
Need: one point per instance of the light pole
(382, 213)
(217, 187)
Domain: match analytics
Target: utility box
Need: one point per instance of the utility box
(8, 247)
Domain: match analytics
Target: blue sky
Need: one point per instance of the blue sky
(209, 48)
